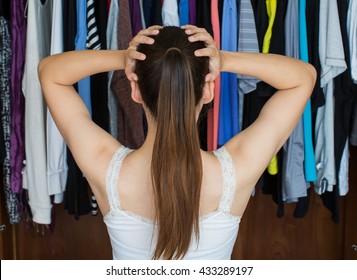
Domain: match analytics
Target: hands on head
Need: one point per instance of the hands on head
(195, 34)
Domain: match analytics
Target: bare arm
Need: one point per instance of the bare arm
(57, 74)
(253, 148)
(91, 146)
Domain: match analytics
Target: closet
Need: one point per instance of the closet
(268, 229)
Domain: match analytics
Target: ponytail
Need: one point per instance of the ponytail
(171, 80)
(176, 160)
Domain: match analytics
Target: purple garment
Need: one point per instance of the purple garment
(135, 15)
(17, 134)
(192, 11)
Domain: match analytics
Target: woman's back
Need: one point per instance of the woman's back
(130, 219)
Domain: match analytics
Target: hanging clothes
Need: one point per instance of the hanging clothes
(94, 43)
(80, 44)
(57, 169)
(170, 14)
(141, 4)
(228, 114)
(293, 184)
(203, 19)
(272, 183)
(310, 166)
(332, 64)
(343, 98)
(352, 36)
(17, 100)
(312, 32)
(12, 203)
(203, 15)
(213, 114)
(247, 43)
(39, 22)
(271, 10)
(98, 82)
(135, 16)
(130, 133)
(152, 12)
(112, 44)
(343, 173)
(183, 12)
(76, 195)
(192, 12)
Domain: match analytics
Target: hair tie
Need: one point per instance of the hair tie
(171, 49)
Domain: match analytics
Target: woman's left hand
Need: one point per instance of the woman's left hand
(200, 34)
(132, 54)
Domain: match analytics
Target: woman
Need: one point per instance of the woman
(169, 199)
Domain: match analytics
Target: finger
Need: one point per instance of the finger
(132, 77)
(152, 30)
(210, 77)
(194, 29)
(206, 52)
(155, 27)
(137, 55)
(201, 36)
(141, 39)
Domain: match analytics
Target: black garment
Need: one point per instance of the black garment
(203, 19)
(254, 101)
(261, 20)
(76, 196)
(272, 184)
(220, 13)
(5, 9)
(98, 82)
(312, 28)
(343, 112)
(203, 15)
(277, 43)
(69, 24)
(152, 12)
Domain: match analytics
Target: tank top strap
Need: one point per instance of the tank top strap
(229, 179)
(112, 175)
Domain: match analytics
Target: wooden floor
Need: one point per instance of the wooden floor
(261, 236)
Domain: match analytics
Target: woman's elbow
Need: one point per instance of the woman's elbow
(41, 69)
(311, 75)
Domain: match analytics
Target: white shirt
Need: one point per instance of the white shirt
(57, 169)
(39, 20)
(134, 237)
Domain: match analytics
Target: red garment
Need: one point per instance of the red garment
(213, 114)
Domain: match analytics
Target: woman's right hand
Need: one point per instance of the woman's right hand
(200, 34)
(132, 54)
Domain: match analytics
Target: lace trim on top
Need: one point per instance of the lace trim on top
(229, 179)
(112, 175)
(228, 186)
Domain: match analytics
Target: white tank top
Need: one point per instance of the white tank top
(134, 237)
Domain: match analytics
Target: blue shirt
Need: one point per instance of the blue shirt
(183, 12)
(228, 124)
(310, 165)
(80, 44)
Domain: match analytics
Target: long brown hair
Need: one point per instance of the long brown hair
(171, 80)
